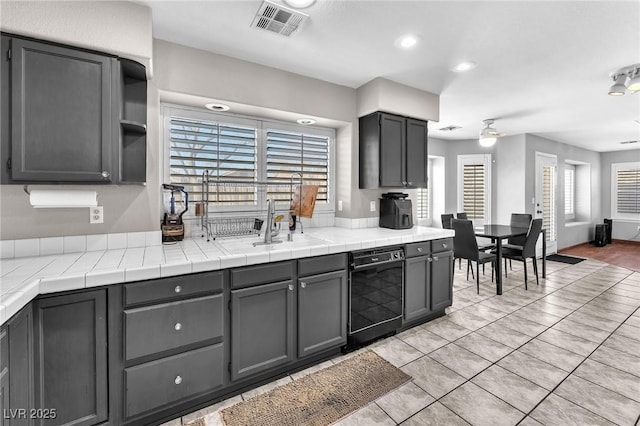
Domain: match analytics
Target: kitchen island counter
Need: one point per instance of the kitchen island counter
(24, 278)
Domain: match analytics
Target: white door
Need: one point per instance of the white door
(546, 199)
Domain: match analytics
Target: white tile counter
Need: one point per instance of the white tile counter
(23, 278)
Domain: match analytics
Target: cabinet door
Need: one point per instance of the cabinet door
(4, 376)
(262, 322)
(322, 312)
(71, 358)
(392, 150)
(416, 292)
(441, 280)
(61, 120)
(416, 154)
(20, 357)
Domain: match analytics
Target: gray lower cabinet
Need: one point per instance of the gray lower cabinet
(262, 328)
(4, 376)
(70, 348)
(61, 116)
(322, 312)
(428, 286)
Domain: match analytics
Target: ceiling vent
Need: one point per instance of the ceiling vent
(450, 128)
(278, 19)
(628, 142)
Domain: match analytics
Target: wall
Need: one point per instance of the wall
(509, 178)
(574, 233)
(621, 230)
(115, 27)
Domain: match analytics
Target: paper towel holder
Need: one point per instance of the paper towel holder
(74, 199)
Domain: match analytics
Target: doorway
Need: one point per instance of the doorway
(546, 199)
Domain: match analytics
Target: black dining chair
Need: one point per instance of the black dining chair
(465, 246)
(528, 250)
(462, 215)
(521, 220)
(446, 220)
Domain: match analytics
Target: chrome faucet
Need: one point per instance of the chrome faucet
(270, 228)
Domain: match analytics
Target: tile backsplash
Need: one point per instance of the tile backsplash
(77, 243)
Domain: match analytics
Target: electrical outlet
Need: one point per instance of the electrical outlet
(372, 206)
(339, 205)
(96, 214)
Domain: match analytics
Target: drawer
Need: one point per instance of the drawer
(172, 287)
(168, 380)
(153, 329)
(418, 249)
(261, 274)
(322, 264)
(442, 244)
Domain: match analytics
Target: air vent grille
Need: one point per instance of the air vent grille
(278, 19)
(628, 142)
(450, 128)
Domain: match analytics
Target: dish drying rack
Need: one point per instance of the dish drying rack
(242, 223)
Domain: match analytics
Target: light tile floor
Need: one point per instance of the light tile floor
(564, 352)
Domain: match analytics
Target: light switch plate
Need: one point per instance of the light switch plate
(339, 205)
(372, 206)
(96, 214)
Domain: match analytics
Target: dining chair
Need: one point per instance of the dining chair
(462, 215)
(528, 250)
(465, 246)
(446, 220)
(522, 220)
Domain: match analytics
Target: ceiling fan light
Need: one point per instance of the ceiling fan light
(487, 141)
(618, 88)
(634, 82)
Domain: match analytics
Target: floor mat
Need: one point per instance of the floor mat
(564, 259)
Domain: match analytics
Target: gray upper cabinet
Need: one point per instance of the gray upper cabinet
(70, 345)
(322, 312)
(393, 151)
(60, 113)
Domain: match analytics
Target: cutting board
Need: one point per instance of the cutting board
(304, 207)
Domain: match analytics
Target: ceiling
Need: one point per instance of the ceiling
(542, 66)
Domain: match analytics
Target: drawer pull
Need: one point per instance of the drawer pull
(420, 249)
(178, 326)
(430, 259)
(303, 284)
(178, 289)
(435, 257)
(177, 380)
(444, 246)
(290, 287)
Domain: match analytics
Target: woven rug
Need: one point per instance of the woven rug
(320, 398)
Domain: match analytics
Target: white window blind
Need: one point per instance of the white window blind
(228, 151)
(569, 191)
(628, 191)
(473, 187)
(289, 153)
(549, 202)
(422, 203)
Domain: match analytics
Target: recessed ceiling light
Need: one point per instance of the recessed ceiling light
(299, 4)
(214, 106)
(464, 66)
(305, 121)
(407, 41)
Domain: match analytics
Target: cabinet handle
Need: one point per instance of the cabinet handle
(444, 246)
(435, 258)
(303, 284)
(105, 174)
(178, 289)
(177, 380)
(430, 259)
(420, 249)
(178, 326)
(404, 182)
(410, 183)
(290, 287)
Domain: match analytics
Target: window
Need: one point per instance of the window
(569, 191)
(248, 160)
(474, 187)
(625, 193)
(424, 196)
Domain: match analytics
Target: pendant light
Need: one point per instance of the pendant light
(488, 135)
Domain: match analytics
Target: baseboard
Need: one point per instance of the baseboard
(626, 241)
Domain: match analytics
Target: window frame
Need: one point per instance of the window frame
(169, 110)
(475, 159)
(615, 168)
(571, 215)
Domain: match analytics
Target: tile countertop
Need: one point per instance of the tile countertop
(24, 278)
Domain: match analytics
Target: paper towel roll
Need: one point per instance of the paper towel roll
(52, 198)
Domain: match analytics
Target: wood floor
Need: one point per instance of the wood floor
(620, 253)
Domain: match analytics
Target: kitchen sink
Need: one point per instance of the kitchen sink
(245, 245)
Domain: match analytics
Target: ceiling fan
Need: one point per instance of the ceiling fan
(489, 135)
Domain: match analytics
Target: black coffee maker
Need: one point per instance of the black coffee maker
(396, 211)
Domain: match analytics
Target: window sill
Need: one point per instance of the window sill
(574, 224)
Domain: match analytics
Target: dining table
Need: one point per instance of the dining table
(497, 233)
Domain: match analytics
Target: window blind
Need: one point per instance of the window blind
(473, 190)
(548, 202)
(289, 153)
(423, 203)
(569, 191)
(628, 191)
(227, 150)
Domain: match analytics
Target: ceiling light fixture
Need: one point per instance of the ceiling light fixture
(464, 66)
(407, 41)
(489, 135)
(305, 121)
(626, 78)
(299, 4)
(214, 106)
